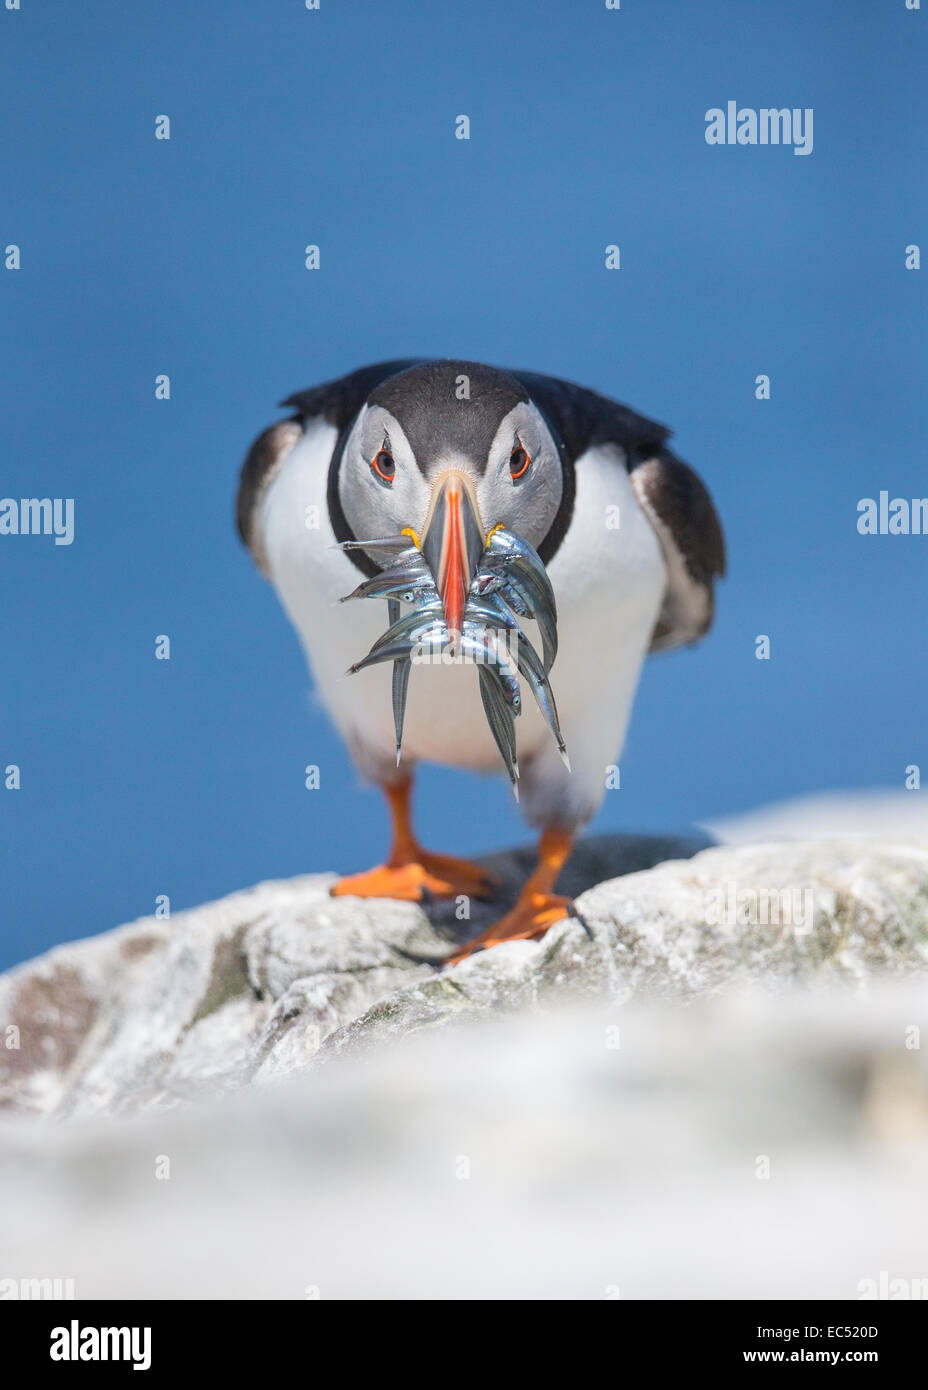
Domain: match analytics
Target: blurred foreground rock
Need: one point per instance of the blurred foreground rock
(745, 1146)
(267, 981)
(710, 1084)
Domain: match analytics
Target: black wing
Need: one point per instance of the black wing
(679, 507)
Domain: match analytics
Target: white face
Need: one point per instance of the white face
(383, 489)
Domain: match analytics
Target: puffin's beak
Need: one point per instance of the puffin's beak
(453, 540)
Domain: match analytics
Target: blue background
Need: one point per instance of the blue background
(336, 127)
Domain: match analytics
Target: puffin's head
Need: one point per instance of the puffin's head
(448, 451)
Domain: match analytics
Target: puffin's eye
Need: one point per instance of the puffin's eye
(519, 462)
(383, 465)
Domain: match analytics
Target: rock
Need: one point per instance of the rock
(679, 1093)
(262, 983)
(744, 1146)
(871, 813)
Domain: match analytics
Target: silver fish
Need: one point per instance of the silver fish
(388, 543)
(400, 685)
(534, 672)
(513, 570)
(420, 628)
(521, 601)
(510, 582)
(399, 581)
(502, 725)
(510, 554)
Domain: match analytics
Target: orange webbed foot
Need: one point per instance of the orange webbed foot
(423, 876)
(531, 917)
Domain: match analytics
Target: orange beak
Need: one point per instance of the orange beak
(453, 541)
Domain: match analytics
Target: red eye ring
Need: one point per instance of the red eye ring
(383, 465)
(522, 464)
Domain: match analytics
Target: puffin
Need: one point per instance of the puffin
(408, 481)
